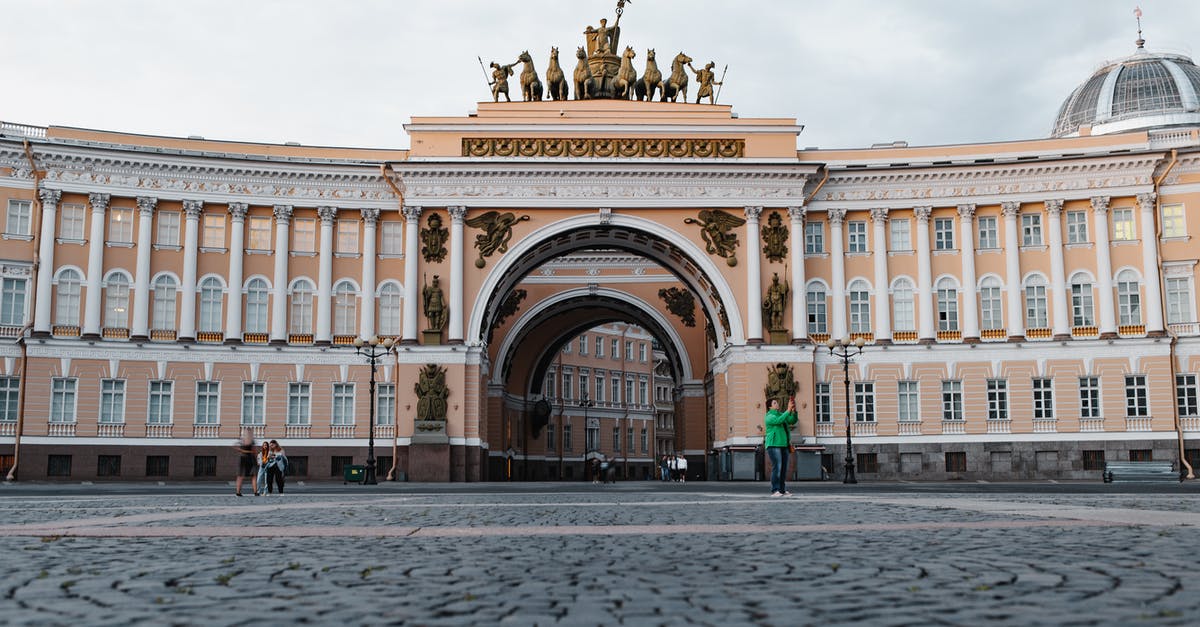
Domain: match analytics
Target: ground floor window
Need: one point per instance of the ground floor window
(157, 465)
(297, 466)
(956, 461)
(1141, 455)
(338, 463)
(58, 466)
(204, 466)
(108, 466)
(823, 402)
(1093, 460)
(868, 462)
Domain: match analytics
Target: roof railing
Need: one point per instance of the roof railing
(22, 130)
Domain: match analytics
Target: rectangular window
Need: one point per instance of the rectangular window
(642, 352)
(304, 235)
(1179, 301)
(1043, 399)
(583, 384)
(160, 403)
(864, 401)
(856, 231)
(1185, 394)
(9, 387)
(254, 403)
(823, 402)
(583, 345)
(947, 300)
(1136, 404)
(385, 404)
(566, 385)
(956, 461)
(1089, 397)
(347, 236)
(168, 228)
(343, 403)
(868, 462)
(909, 402)
(901, 234)
(108, 466)
(616, 439)
(62, 400)
(214, 231)
(629, 397)
(988, 234)
(1082, 305)
(615, 387)
(628, 351)
(997, 399)
(259, 233)
(12, 302)
(19, 214)
(298, 465)
(58, 466)
(1122, 220)
(1031, 229)
(645, 439)
(550, 441)
(599, 389)
(70, 226)
(208, 402)
(566, 437)
(943, 234)
(644, 392)
(817, 309)
(1036, 313)
(120, 225)
(615, 352)
(1141, 455)
(1077, 227)
(204, 466)
(952, 408)
(299, 403)
(112, 401)
(599, 346)
(1172, 221)
(338, 463)
(157, 465)
(814, 238)
(903, 313)
(1093, 460)
(392, 238)
(991, 316)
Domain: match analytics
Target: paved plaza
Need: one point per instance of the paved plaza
(577, 554)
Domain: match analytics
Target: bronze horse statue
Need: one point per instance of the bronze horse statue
(651, 78)
(556, 82)
(677, 83)
(626, 83)
(531, 86)
(584, 83)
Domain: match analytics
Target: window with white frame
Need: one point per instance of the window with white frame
(629, 397)
(901, 234)
(943, 234)
(66, 300)
(642, 352)
(9, 388)
(347, 236)
(550, 441)
(1179, 300)
(299, 403)
(616, 438)
(214, 231)
(947, 304)
(1136, 396)
(815, 301)
(254, 403)
(160, 403)
(212, 295)
(628, 351)
(629, 433)
(1036, 306)
(70, 226)
(343, 404)
(168, 228)
(1082, 304)
(566, 386)
(1123, 229)
(952, 400)
(345, 309)
(116, 302)
(566, 436)
(12, 301)
(391, 238)
(62, 400)
(1043, 398)
(385, 404)
(645, 439)
(615, 352)
(165, 296)
(644, 392)
(823, 400)
(19, 215)
(997, 399)
(864, 401)
(599, 388)
(1031, 229)
(1172, 221)
(304, 235)
(583, 344)
(208, 402)
(1129, 298)
(389, 309)
(814, 238)
(615, 388)
(1077, 227)
(120, 225)
(1185, 395)
(592, 435)
(257, 299)
(112, 401)
(991, 312)
(903, 306)
(860, 307)
(584, 376)
(259, 231)
(302, 308)
(989, 238)
(1089, 397)
(599, 346)
(909, 409)
(549, 387)
(856, 232)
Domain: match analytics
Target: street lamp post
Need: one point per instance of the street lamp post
(846, 350)
(373, 349)
(584, 402)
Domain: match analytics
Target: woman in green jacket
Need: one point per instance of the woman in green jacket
(778, 441)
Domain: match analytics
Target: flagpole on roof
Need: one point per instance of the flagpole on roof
(1137, 13)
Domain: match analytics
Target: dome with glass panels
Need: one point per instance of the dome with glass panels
(1145, 90)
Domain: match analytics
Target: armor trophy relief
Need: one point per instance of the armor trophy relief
(602, 74)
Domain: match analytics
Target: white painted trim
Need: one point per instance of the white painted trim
(1098, 436)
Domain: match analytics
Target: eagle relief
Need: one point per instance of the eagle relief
(497, 231)
(715, 229)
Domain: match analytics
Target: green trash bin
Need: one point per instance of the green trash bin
(353, 474)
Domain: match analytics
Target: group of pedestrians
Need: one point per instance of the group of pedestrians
(673, 468)
(266, 465)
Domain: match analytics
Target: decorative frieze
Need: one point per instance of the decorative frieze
(603, 147)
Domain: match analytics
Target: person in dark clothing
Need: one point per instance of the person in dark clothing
(247, 465)
(276, 467)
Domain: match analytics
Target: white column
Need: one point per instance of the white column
(925, 327)
(95, 268)
(754, 333)
(837, 289)
(237, 245)
(412, 251)
(324, 332)
(367, 319)
(799, 287)
(1058, 279)
(44, 312)
(883, 310)
(1150, 270)
(1012, 267)
(455, 333)
(283, 217)
(1104, 286)
(191, 251)
(141, 278)
(970, 304)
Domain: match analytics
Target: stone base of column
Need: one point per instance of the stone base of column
(91, 337)
(139, 338)
(927, 341)
(1156, 333)
(800, 341)
(1013, 339)
(322, 343)
(185, 340)
(455, 342)
(970, 340)
(1109, 336)
(408, 341)
(277, 342)
(1062, 337)
(429, 462)
(40, 334)
(883, 341)
(232, 341)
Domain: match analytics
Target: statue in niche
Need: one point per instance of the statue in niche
(781, 384)
(497, 231)
(681, 303)
(431, 393)
(775, 237)
(433, 239)
(435, 305)
(714, 229)
(775, 304)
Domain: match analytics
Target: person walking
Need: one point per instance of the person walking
(276, 467)
(247, 465)
(264, 456)
(778, 442)
(681, 462)
(664, 467)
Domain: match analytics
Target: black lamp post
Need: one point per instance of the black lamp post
(584, 402)
(846, 350)
(373, 349)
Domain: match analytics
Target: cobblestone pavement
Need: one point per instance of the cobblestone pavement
(572, 554)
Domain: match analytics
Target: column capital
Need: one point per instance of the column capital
(797, 214)
(99, 202)
(193, 208)
(879, 214)
(147, 205)
(283, 213)
(1010, 209)
(752, 212)
(49, 196)
(1054, 207)
(836, 216)
(1146, 201)
(922, 214)
(412, 213)
(966, 211)
(1100, 204)
(327, 214)
(237, 210)
(370, 216)
(458, 213)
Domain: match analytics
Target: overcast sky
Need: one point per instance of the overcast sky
(351, 72)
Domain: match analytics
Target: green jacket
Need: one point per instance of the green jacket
(779, 425)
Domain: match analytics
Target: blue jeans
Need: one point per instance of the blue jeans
(779, 464)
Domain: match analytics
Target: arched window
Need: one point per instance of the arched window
(211, 296)
(257, 296)
(389, 309)
(990, 310)
(860, 307)
(947, 304)
(817, 318)
(345, 308)
(1082, 308)
(116, 302)
(1035, 302)
(165, 293)
(66, 310)
(302, 308)
(903, 317)
(1129, 298)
